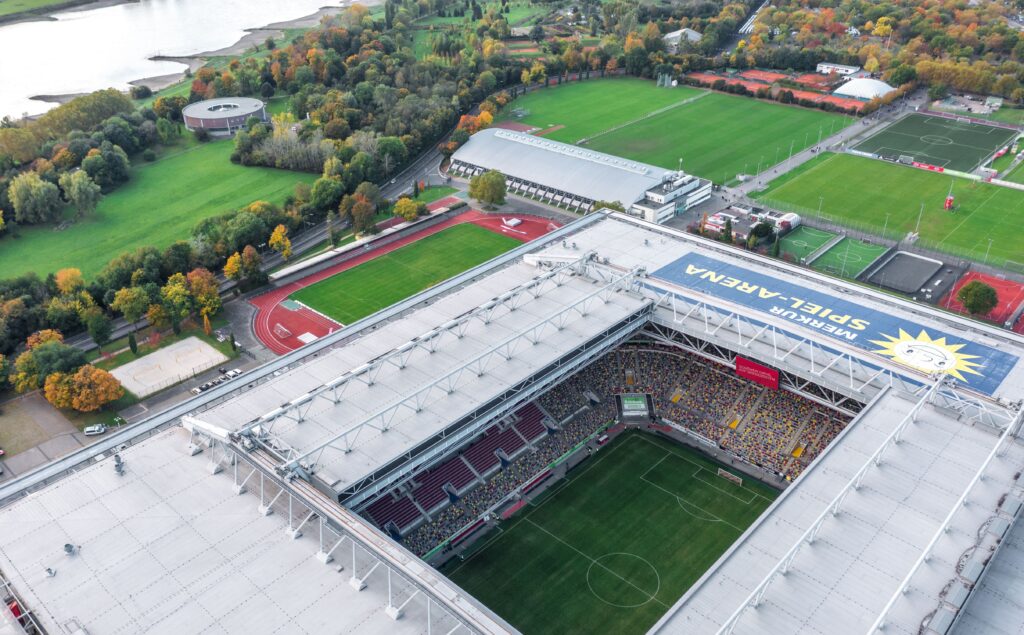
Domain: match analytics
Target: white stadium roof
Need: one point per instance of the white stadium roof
(864, 88)
(573, 169)
(421, 378)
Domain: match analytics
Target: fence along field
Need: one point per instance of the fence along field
(872, 196)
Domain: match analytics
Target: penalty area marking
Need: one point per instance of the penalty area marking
(699, 468)
(682, 501)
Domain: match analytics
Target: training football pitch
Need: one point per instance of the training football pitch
(612, 548)
(802, 242)
(716, 135)
(874, 195)
(848, 258)
(387, 279)
(938, 141)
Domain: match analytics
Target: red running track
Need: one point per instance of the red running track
(1010, 295)
(271, 312)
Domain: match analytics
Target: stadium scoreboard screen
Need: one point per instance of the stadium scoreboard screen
(633, 405)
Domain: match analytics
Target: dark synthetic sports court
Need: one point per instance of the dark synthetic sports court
(948, 143)
(905, 272)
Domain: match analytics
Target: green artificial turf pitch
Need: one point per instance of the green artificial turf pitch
(803, 241)
(159, 205)
(392, 277)
(717, 136)
(848, 258)
(938, 141)
(860, 192)
(613, 548)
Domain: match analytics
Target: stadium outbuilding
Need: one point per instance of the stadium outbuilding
(864, 88)
(575, 177)
(223, 116)
(244, 509)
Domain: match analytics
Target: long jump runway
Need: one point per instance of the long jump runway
(284, 325)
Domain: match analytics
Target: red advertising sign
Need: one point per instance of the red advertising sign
(928, 166)
(757, 372)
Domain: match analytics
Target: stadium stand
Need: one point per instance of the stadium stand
(778, 431)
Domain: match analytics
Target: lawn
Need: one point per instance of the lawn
(159, 205)
(12, 7)
(588, 107)
(1017, 176)
(387, 279)
(720, 136)
(617, 545)
(1006, 114)
(863, 193)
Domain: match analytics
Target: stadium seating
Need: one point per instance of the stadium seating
(698, 394)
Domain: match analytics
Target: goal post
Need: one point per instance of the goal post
(280, 331)
(729, 476)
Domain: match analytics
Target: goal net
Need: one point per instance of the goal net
(729, 476)
(963, 120)
(281, 331)
(906, 159)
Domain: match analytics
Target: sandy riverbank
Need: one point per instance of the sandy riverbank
(252, 38)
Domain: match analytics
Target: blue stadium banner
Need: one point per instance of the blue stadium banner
(978, 366)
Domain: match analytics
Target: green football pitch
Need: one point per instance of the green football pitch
(716, 135)
(803, 241)
(873, 195)
(612, 548)
(938, 141)
(387, 279)
(848, 258)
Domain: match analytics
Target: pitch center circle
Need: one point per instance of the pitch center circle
(619, 576)
(937, 140)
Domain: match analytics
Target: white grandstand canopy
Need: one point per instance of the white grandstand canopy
(561, 166)
(359, 407)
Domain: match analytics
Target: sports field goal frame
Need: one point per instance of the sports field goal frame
(729, 476)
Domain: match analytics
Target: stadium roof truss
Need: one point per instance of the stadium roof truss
(938, 393)
(304, 462)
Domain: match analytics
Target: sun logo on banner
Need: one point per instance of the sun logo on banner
(928, 355)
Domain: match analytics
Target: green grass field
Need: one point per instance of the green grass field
(588, 107)
(720, 136)
(848, 258)
(385, 280)
(717, 136)
(1017, 176)
(14, 7)
(861, 193)
(159, 205)
(938, 141)
(612, 549)
(803, 241)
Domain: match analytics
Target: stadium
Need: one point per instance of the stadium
(223, 116)
(617, 426)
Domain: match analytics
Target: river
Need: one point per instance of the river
(86, 50)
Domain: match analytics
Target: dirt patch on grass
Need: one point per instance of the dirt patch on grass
(541, 133)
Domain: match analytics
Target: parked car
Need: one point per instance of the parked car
(95, 430)
(234, 372)
(2, 452)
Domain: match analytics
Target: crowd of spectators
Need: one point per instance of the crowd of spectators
(760, 426)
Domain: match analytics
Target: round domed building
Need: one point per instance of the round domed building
(224, 115)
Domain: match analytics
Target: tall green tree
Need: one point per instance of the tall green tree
(34, 200)
(80, 191)
(977, 297)
(488, 188)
